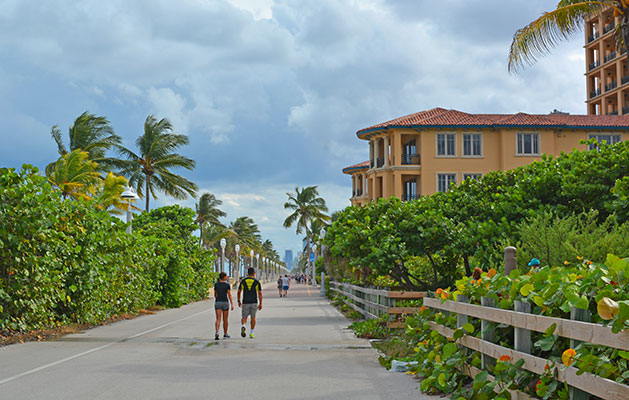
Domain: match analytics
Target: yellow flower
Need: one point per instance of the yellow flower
(579, 258)
(568, 357)
(444, 295)
(566, 262)
(491, 273)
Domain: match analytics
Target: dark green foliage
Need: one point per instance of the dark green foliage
(68, 261)
(471, 224)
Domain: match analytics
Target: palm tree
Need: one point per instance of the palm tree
(208, 212)
(537, 38)
(75, 175)
(307, 207)
(150, 169)
(91, 134)
(109, 194)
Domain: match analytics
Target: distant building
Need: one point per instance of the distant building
(607, 75)
(288, 259)
(423, 153)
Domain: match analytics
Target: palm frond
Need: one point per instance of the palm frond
(540, 36)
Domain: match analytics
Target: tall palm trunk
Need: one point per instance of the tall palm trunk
(147, 194)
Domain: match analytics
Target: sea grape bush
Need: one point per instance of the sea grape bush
(70, 262)
(470, 224)
(601, 288)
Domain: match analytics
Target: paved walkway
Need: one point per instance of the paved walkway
(302, 350)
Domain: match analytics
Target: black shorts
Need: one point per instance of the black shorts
(221, 305)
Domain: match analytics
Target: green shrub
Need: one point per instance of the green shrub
(70, 262)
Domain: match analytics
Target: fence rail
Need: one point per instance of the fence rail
(524, 323)
(374, 303)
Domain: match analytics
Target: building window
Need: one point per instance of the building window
(446, 144)
(472, 146)
(528, 144)
(608, 139)
(444, 181)
(472, 176)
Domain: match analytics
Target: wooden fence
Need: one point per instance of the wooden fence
(374, 303)
(523, 323)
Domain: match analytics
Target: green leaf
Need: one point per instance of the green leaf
(449, 349)
(469, 328)
(442, 379)
(583, 303)
(550, 330)
(624, 354)
(526, 289)
(546, 343)
(539, 300)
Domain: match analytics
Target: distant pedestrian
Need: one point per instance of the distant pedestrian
(252, 290)
(285, 284)
(279, 285)
(222, 304)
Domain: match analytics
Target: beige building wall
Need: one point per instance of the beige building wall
(391, 168)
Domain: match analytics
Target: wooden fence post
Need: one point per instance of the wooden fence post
(461, 319)
(488, 334)
(510, 259)
(522, 336)
(578, 314)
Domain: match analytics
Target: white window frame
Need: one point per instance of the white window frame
(472, 134)
(533, 154)
(471, 175)
(597, 136)
(440, 174)
(454, 141)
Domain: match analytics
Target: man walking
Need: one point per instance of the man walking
(285, 284)
(252, 290)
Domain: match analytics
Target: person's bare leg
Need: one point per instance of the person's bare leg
(218, 320)
(253, 322)
(225, 321)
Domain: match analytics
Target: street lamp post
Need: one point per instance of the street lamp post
(237, 266)
(251, 255)
(322, 291)
(263, 266)
(129, 194)
(258, 265)
(314, 253)
(223, 244)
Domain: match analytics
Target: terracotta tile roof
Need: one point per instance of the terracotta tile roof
(356, 167)
(440, 118)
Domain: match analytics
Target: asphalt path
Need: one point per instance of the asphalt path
(302, 350)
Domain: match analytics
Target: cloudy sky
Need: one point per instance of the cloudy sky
(271, 92)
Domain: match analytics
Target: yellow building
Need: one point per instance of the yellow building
(425, 152)
(606, 74)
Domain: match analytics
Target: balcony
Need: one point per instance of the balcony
(379, 162)
(611, 86)
(595, 92)
(610, 56)
(623, 50)
(625, 110)
(409, 197)
(595, 64)
(624, 79)
(593, 37)
(410, 159)
(371, 164)
(609, 27)
(615, 112)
